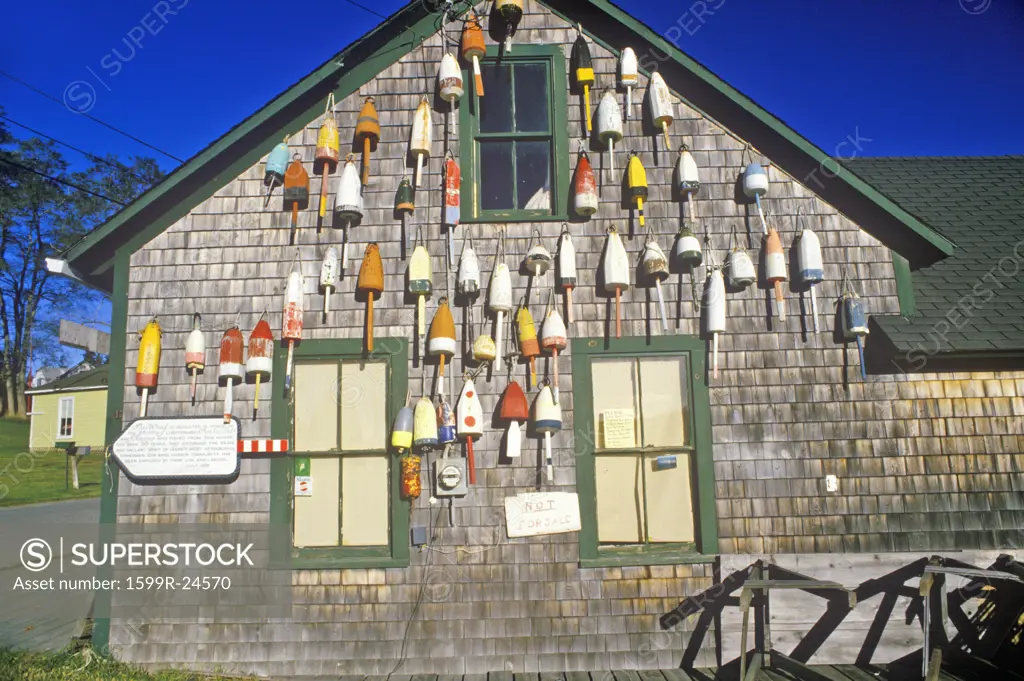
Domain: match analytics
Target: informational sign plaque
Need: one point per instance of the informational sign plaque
(179, 449)
(529, 515)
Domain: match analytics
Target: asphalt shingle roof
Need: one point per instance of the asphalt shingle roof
(978, 203)
(86, 379)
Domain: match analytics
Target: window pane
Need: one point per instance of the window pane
(316, 407)
(615, 396)
(496, 107)
(363, 406)
(317, 522)
(533, 172)
(364, 500)
(669, 500)
(496, 175)
(619, 499)
(663, 397)
(531, 86)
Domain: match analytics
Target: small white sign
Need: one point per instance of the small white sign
(303, 486)
(529, 515)
(178, 449)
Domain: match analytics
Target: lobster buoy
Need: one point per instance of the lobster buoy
(421, 285)
(370, 283)
(537, 261)
(609, 125)
(422, 136)
(441, 338)
(328, 151)
(411, 467)
(755, 186)
(629, 75)
(401, 434)
(484, 349)
(291, 320)
(452, 201)
(567, 269)
(405, 205)
(584, 199)
(348, 207)
(277, 166)
(553, 339)
(260, 362)
(661, 105)
(195, 352)
(329, 277)
(468, 284)
(855, 324)
(529, 348)
(449, 81)
(547, 420)
(469, 423)
(445, 423)
(638, 191)
(511, 12)
(688, 177)
(655, 266)
(499, 301)
(811, 268)
(775, 269)
(368, 134)
(425, 425)
(715, 306)
(616, 273)
(740, 268)
(584, 66)
(474, 49)
(515, 410)
(687, 251)
(147, 371)
(296, 189)
(231, 349)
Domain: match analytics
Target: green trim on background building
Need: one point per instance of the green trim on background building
(111, 474)
(706, 520)
(559, 120)
(283, 556)
(904, 285)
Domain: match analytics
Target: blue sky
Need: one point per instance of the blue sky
(916, 77)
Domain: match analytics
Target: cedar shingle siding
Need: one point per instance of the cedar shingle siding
(925, 462)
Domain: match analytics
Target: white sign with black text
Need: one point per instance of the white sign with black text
(529, 515)
(178, 449)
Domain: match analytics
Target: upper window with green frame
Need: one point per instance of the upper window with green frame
(337, 495)
(514, 140)
(644, 462)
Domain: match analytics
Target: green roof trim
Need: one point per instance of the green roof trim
(84, 380)
(201, 176)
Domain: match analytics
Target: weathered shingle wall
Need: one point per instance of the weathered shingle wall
(929, 462)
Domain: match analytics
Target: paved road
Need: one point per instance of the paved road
(34, 620)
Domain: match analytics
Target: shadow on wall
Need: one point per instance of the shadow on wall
(985, 606)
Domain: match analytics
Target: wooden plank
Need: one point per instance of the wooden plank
(651, 675)
(855, 673)
(831, 673)
(577, 676)
(626, 675)
(676, 675)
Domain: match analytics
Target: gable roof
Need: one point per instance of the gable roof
(84, 380)
(971, 303)
(92, 258)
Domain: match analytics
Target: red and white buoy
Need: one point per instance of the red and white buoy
(584, 198)
(195, 352)
(775, 269)
(567, 269)
(231, 350)
(291, 322)
(553, 339)
(260, 362)
(469, 423)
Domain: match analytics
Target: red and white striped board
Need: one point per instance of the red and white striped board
(262, 446)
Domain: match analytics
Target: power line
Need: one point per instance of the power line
(60, 181)
(367, 9)
(90, 117)
(98, 159)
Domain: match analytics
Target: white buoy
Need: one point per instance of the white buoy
(655, 266)
(422, 137)
(537, 262)
(567, 269)
(629, 76)
(609, 125)
(553, 339)
(688, 178)
(547, 420)
(811, 268)
(755, 186)
(348, 205)
(499, 301)
(329, 276)
(740, 268)
(662, 111)
(775, 270)
(715, 306)
(469, 271)
(616, 273)
(449, 80)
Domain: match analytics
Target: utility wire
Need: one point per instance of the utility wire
(89, 116)
(94, 157)
(367, 9)
(60, 181)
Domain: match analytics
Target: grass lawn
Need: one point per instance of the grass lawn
(81, 666)
(32, 477)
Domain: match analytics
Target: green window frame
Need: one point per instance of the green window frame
(553, 58)
(702, 481)
(395, 353)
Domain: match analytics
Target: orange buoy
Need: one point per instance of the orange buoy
(296, 189)
(371, 282)
(441, 337)
(585, 188)
(474, 49)
(260, 362)
(368, 133)
(514, 409)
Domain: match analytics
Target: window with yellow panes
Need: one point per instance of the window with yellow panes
(339, 417)
(643, 450)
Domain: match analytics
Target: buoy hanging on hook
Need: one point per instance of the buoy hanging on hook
(260, 362)
(441, 339)
(474, 49)
(231, 349)
(616, 273)
(368, 134)
(469, 271)
(661, 105)
(688, 179)
(277, 166)
(405, 205)
(421, 285)
(514, 409)
(810, 268)
(638, 191)
(500, 301)
(328, 151)
(714, 303)
(553, 339)
(775, 269)
(855, 322)
(547, 420)
(348, 206)
(567, 269)
(609, 126)
(537, 261)
(329, 276)
(755, 186)
(425, 434)
(401, 433)
(449, 79)
(195, 352)
(528, 345)
(740, 269)
(452, 202)
(296, 189)
(511, 12)
(370, 284)
(291, 320)
(629, 76)
(422, 136)
(147, 370)
(469, 423)
(584, 66)
(655, 266)
(584, 199)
